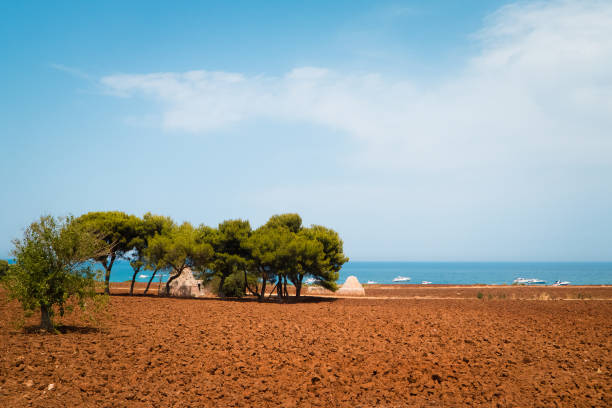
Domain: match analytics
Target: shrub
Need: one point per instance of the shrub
(233, 285)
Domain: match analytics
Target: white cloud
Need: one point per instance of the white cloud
(540, 89)
(507, 156)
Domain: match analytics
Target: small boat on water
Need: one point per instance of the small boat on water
(371, 282)
(401, 279)
(426, 283)
(310, 281)
(528, 281)
(561, 283)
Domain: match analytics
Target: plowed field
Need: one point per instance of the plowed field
(346, 352)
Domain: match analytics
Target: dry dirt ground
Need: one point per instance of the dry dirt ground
(165, 352)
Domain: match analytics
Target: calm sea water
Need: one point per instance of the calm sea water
(578, 273)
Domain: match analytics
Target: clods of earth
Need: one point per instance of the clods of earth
(150, 351)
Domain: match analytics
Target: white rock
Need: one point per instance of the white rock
(50, 387)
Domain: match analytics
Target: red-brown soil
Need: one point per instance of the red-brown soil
(346, 352)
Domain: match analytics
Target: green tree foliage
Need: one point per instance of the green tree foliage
(284, 250)
(141, 232)
(290, 221)
(50, 267)
(288, 225)
(117, 230)
(280, 252)
(329, 261)
(4, 267)
(268, 246)
(231, 253)
(180, 248)
(305, 257)
(159, 225)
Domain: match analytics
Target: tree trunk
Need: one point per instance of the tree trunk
(298, 286)
(221, 283)
(134, 280)
(273, 289)
(279, 287)
(285, 288)
(150, 280)
(170, 279)
(248, 287)
(107, 268)
(244, 289)
(45, 318)
(262, 296)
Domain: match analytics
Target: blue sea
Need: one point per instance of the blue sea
(463, 273)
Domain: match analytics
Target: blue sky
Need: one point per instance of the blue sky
(472, 130)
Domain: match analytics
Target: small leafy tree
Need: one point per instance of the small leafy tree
(116, 229)
(288, 226)
(50, 267)
(142, 232)
(138, 245)
(155, 225)
(306, 256)
(285, 250)
(326, 267)
(231, 255)
(268, 248)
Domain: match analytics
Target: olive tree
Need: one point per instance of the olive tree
(51, 267)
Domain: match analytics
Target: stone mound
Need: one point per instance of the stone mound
(187, 286)
(351, 287)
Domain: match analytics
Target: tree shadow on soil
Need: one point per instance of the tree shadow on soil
(62, 329)
(249, 299)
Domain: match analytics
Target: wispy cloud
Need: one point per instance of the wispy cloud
(540, 89)
(72, 71)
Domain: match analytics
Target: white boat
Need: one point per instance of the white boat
(310, 281)
(525, 281)
(426, 283)
(370, 282)
(561, 283)
(401, 279)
